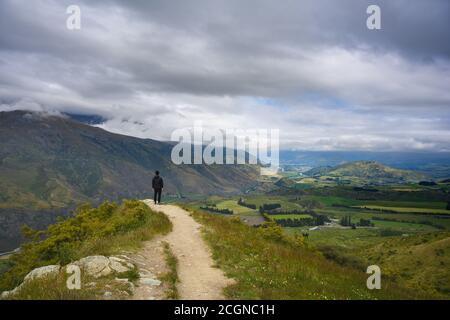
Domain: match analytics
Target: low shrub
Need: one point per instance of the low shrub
(104, 230)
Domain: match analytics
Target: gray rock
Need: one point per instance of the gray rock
(150, 282)
(146, 274)
(120, 265)
(42, 272)
(95, 266)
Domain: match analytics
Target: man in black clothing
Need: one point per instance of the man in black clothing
(157, 185)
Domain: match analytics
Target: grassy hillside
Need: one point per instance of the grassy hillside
(269, 265)
(372, 171)
(367, 172)
(419, 261)
(105, 230)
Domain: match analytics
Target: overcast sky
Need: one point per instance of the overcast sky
(310, 68)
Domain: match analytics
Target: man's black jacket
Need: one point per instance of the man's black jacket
(157, 182)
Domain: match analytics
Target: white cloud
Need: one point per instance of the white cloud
(149, 69)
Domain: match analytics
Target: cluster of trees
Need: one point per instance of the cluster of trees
(217, 210)
(427, 183)
(242, 202)
(365, 189)
(295, 222)
(276, 211)
(315, 220)
(346, 221)
(320, 219)
(269, 207)
(365, 223)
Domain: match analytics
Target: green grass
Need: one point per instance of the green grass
(408, 204)
(330, 200)
(405, 209)
(422, 222)
(232, 204)
(346, 238)
(171, 276)
(53, 287)
(268, 265)
(285, 203)
(132, 275)
(403, 226)
(237, 209)
(419, 261)
(5, 265)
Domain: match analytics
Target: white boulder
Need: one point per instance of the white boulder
(120, 265)
(42, 272)
(95, 266)
(101, 266)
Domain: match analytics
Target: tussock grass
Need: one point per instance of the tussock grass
(132, 275)
(267, 264)
(171, 276)
(53, 287)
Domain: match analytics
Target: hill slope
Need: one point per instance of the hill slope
(371, 171)
(417, 261)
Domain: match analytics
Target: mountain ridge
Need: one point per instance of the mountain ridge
(48, 161)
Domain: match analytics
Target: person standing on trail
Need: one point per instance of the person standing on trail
(157, 185)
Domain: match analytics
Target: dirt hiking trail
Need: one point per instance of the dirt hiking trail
(199, 280)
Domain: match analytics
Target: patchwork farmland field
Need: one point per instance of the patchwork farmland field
(385, 226)
(405, 209)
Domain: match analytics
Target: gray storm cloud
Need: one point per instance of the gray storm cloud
(310, 68)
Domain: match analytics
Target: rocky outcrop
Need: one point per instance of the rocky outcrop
(33, 274)
(42, 272)
(101, 266)
(93, 266)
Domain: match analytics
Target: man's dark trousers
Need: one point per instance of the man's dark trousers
(157, 194)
